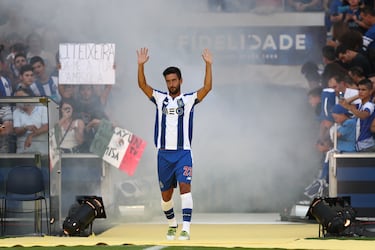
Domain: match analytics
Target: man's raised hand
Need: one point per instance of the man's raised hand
(207, 56)
(142, 55)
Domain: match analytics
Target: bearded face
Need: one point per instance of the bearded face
(173, 84)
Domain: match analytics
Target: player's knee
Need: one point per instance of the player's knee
(185, 188)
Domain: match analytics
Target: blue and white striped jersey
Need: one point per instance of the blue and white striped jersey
(174, 120)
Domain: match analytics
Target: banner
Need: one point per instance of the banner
(118, 147)
(87, 63)
(261, 45)
(54, 155)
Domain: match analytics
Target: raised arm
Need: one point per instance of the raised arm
(207, 86)
(142, 59)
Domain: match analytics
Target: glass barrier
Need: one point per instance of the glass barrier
(24, 140)
(31, 134)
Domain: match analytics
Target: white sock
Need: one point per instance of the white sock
(167, 207)
(187, 210)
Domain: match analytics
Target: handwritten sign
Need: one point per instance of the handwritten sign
(87, 63)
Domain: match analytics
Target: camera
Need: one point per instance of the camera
(341, 95)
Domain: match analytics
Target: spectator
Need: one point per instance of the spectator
(70, 130)
(47, 85)
(342, 84)
(346, 131)
(311, 72)
(365, 115)
(35, 44)
(350, 85)
(67, 91)
(351, 58)
(337, 89)
(350, 38)
(332, 66)
(30, 125)
(346, 142)
(5, 84)
(339, 27)
(304, 5)
(27, 79)
(351, 16)
(331, 13)
(356, 73)
(368, 48)
(15, 49)
(18, 61)
(91, 111)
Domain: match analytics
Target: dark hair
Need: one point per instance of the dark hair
(329, 52)
(352, 39)
(71, 102)
(347, 79)
(172, 70)
(311, 71)
(19, 55)
(367, 82)
(27, 91)
(341, 49)
(25, 68)
(357, 70)
(36, 59)
(339, 76)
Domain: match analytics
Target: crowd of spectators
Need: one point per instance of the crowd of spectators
(342, 91)
(29, 69)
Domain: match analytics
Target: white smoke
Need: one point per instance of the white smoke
(253, 141)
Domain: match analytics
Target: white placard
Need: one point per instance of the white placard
(87, 63)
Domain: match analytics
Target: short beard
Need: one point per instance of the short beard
(175, 92)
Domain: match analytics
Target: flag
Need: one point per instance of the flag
(118, 147)
(54, 154)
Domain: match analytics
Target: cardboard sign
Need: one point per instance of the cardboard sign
(87, 63)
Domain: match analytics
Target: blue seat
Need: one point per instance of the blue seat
(26, 184)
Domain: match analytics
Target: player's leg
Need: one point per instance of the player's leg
(167, 207)
(184, 175)
(167, 183)
(187, 210)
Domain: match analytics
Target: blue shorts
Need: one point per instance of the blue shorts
(174, 166)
